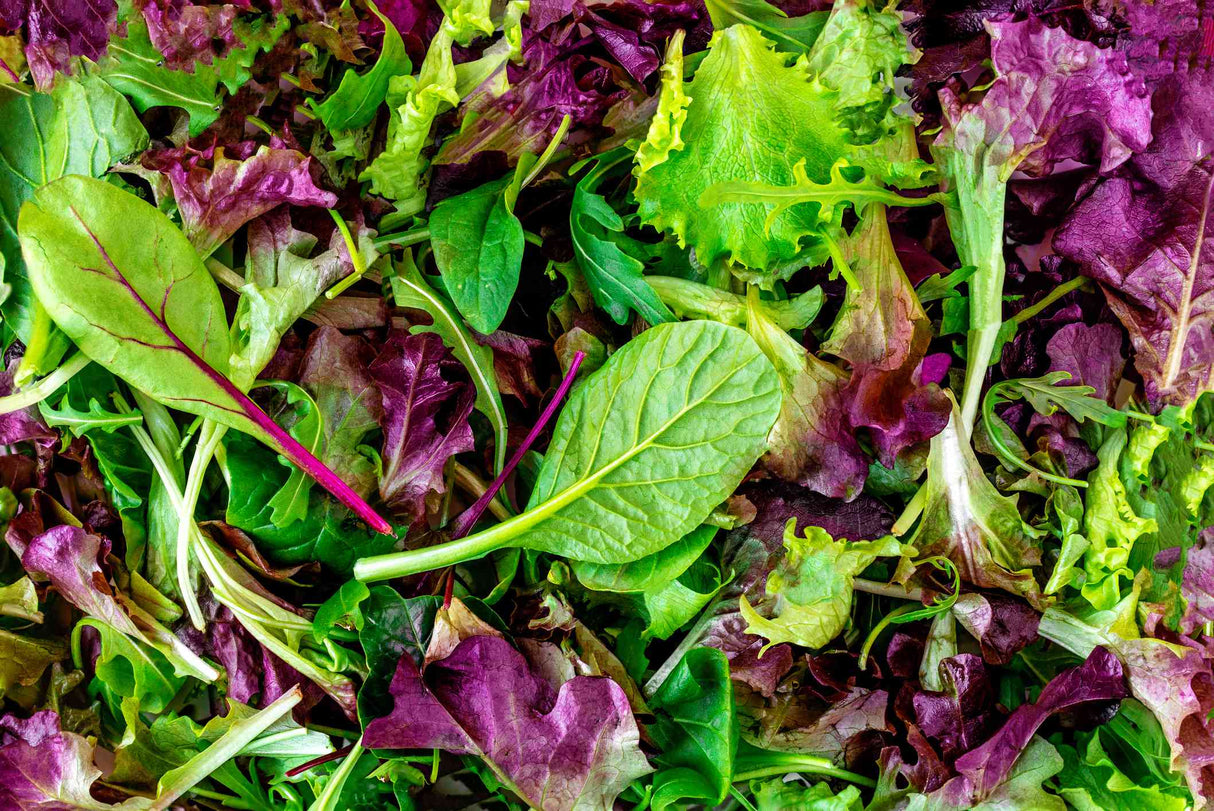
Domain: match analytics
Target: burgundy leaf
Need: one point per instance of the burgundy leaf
(415, 398)
(576, 745)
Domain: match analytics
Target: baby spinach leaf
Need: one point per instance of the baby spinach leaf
(85, 126)
(644, 450)
(392, 627)
(791, 34)
(327, 532)
(478, 247)
(650, 572)
(358, 97)
(696, 730)
(146, 309)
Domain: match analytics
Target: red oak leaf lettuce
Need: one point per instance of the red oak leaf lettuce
(72, 559)
(425, 419)
(1144, 235)
(1002, 625)
(186, 33)
(576, 746)
(883, 332)
(1099, 678)
(43, 767)
(217, 194)
(57, 30)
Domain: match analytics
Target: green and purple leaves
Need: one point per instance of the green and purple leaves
(147, 309)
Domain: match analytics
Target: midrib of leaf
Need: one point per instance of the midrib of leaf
(1177, 342)
(545, 509)
(195, 101)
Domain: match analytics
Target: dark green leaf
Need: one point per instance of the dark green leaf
(392, 627)
(358, 97)
(478, 247)
(696, 730)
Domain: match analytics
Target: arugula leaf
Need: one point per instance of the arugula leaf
(134, 67)
(645, 448)
(154, 320)
(613, 275)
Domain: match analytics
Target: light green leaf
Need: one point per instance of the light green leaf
(651, 572)
(1110, 526)
(643, 451)
(809, 594)
(739, 128)
(667, 123)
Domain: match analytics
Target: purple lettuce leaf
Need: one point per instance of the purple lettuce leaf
(1140, 234)
(186, 33)
(1092, 354)
(217, 194)
(514, 362)
(753, 550)
(24, 424)
(749, 664)
(72, 559)
(57, 30)
(558, 749)
(961, 716)
(425, 419)
(1197, 584)
(255, 676)
(1100, 678)
(1002, 625)
(44, 767)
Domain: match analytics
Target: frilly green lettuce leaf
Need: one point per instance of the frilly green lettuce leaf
(809, 595)
(1111, 527)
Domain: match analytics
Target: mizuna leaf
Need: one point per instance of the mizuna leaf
(147, 309)
(644, 450)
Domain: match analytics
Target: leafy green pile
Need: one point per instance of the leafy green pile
(586, 405)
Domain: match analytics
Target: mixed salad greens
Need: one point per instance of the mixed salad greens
(604, 404)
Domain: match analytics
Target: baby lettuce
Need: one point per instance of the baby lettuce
(155, 320)
(645, 448)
